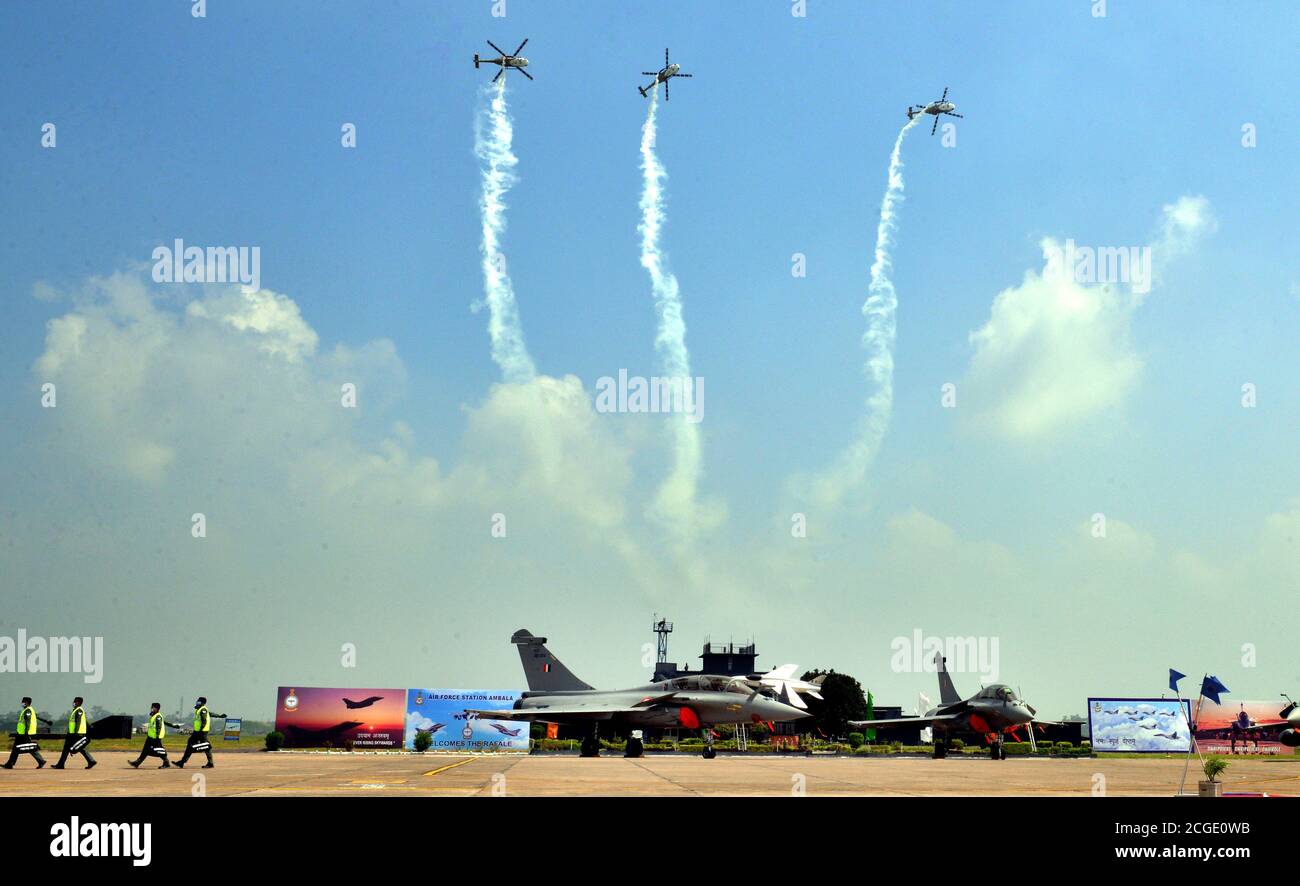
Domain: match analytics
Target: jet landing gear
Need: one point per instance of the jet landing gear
(940, 748)
(635, 747)
(997, 750)
(709, 752)
(590, 746)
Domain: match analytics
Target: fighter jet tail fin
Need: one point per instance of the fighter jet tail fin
(947, 691)
(544, 672)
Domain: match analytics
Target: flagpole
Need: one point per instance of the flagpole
(1192, 746)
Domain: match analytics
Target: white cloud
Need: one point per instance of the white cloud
(544, 438)
(236, 376)
(1056, 352)
(274, 318)
(1183, 223)
(1053, 353)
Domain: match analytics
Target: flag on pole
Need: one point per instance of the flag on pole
(1174, 677)
(1211, 687)
(870, 733)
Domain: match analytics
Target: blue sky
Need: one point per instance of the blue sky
(225, 130)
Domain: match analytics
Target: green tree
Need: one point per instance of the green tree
(842, 700)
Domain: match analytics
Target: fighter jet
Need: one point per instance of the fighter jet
(787, 687)
(942, 106)
(364, 703)
(512, 733)
(513, 60)
(556, 695)
(991, 712)
(1290, 734)
(301, 737)
(663, 75)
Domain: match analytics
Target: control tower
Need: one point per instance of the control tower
(723, 659)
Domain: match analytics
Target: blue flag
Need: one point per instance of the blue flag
(1211, 687)
(1174, 677)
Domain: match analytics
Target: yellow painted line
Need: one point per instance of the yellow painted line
(383, 783)
(449, 766)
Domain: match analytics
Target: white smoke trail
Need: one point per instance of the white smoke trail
(878, 341)
(675, 500)
(492, 144)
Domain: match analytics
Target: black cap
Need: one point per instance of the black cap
(155, 705)
(77, 700)
(26, 700)
(202, 700)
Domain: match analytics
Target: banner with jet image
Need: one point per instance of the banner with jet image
(355, 719)
(1232, 727)
(1140, 725)
(441, 714)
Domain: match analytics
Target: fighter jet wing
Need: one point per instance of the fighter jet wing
(573, 711)
(1256, 727)
(567, 712)
(923, 722)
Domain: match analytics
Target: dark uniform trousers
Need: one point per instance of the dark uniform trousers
(73, 745)
(24, 744)
(152, 747)
(198, 741)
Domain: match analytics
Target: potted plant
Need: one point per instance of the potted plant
(1212, 767)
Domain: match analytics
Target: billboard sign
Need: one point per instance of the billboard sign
(1140, 725)
(1226, 728)
(358, 719)
(441, 713)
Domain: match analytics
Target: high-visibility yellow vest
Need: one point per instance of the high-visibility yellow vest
(201, 719)
(24, 719)
(157, 728)
(73, 727)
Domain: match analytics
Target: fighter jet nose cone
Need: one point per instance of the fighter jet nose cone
(786, 712)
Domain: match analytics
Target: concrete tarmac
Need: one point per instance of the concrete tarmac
(299, 774)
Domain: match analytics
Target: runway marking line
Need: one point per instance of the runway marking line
(449, 766)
